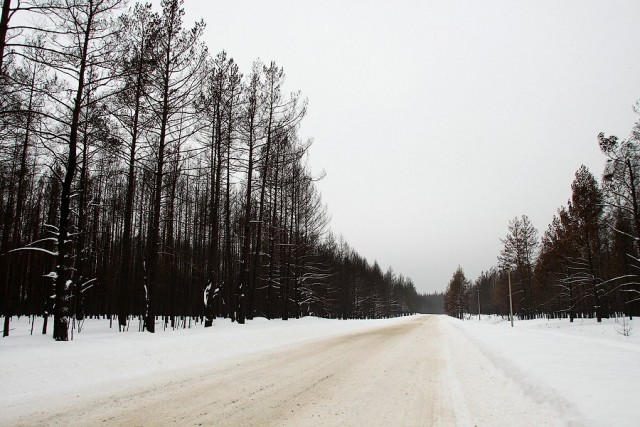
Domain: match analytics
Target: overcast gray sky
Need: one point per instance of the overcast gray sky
(439, 121)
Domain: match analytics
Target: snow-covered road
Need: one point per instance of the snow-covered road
(419, 371)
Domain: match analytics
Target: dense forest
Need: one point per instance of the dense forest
(142, 177)
(587, 261)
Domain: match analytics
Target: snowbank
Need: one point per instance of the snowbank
(592, 367)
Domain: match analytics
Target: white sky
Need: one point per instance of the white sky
(439, 121)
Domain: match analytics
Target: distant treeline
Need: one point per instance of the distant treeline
(142, 176)
(587, 263)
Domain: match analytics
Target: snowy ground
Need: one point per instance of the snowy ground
(424, 370)
(590, 368)
(36, 367)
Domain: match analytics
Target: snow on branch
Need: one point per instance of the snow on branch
(29, 248)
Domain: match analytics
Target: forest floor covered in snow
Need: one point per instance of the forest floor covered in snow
(418, 370)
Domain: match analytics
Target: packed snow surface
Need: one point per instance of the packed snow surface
(436, 369)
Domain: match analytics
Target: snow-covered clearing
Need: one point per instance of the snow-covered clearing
(421, 370)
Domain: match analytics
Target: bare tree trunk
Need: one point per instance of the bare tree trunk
(228, 263)
(64, 273)
(216, 175)
(82, 228)
(4, 27)
(274, 228)
(251, 117)
(256, 257)
(154, 227)
(126, 263)
(240, 315)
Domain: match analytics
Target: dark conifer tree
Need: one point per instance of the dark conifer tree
(456, 297)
